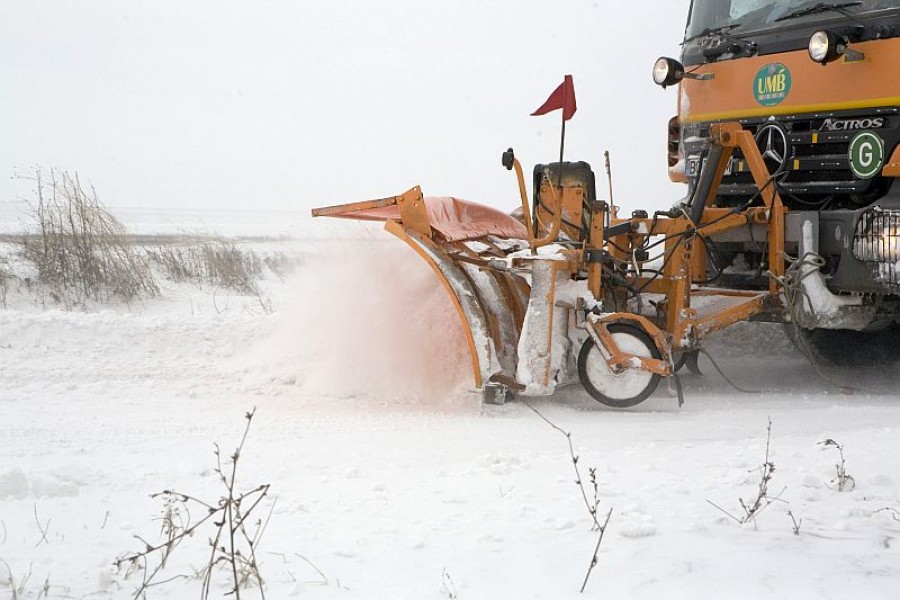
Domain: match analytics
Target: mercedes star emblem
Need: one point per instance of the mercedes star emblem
(773, 144)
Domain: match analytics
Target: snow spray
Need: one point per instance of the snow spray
(370, 320)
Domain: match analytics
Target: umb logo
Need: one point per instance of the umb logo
(772, 84)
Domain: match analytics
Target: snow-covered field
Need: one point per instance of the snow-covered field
(389, 476)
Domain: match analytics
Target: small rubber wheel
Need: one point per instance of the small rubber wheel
(631, 386)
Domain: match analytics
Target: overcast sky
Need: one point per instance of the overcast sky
(294, 104)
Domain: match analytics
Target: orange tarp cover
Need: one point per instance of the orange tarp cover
(454, 219)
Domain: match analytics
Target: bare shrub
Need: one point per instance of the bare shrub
(78, 248)
(233, 545)
(843, 481)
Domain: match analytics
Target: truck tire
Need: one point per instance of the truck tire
(847, 348)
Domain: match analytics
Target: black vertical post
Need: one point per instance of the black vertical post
(562, 146)
(562, 139)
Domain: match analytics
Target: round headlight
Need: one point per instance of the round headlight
(820, 47)
(667, 71)
(660, 71)
(827, 46)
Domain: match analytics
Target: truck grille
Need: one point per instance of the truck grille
(876, 240)
(817, 166)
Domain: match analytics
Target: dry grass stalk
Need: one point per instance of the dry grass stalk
(752, 508)
(596, 558)
(795, 523)
(218, 263)
(280, 264)
(448, 585)
(17, 589)
(6, 278)
(579, 480)
(893, 512)
(843, 481)
(591, 506)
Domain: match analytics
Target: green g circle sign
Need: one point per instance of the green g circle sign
(866, 155)
(772, 84)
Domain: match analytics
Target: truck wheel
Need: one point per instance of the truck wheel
(848, 348)
(631, 386)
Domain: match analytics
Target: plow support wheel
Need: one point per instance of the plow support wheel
(622, 360)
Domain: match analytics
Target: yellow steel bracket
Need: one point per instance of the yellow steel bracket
(413, 212)
(353, 207)
(732, 135)
(619, 360)
(523, 194)
(411, 203)
(553, 234)
(892, 168)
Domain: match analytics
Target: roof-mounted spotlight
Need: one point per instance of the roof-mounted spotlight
(827, 46)
(668, 71)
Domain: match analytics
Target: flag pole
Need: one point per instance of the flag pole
(562, 146)
(562, 139)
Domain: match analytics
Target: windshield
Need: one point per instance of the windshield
(738, 16)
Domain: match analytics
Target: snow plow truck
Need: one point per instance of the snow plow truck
(786, 136)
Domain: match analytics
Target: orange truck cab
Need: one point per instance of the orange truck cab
(818, 85)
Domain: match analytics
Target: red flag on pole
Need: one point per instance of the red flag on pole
(562, 97)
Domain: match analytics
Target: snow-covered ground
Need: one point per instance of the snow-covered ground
(389, 476)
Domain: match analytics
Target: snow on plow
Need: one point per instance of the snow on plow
(572, 292)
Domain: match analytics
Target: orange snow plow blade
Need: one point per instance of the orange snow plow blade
(459, 240)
